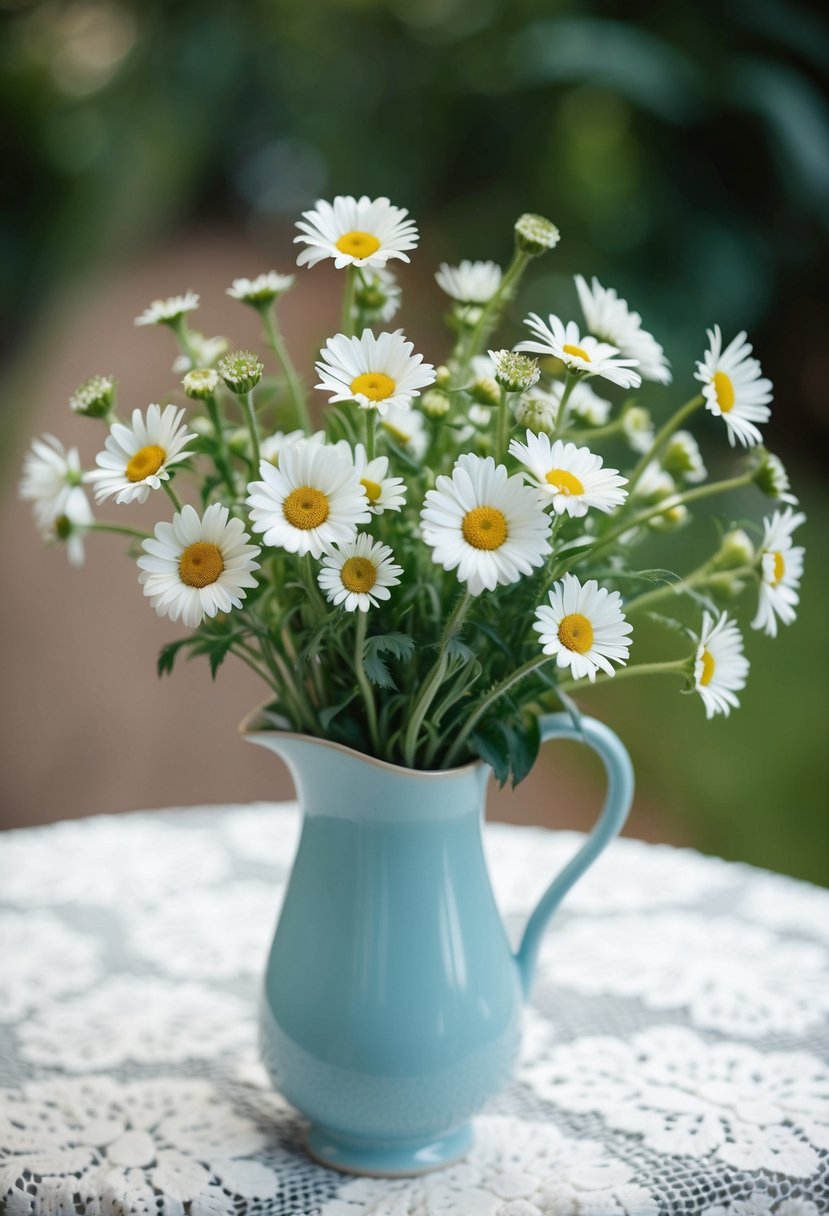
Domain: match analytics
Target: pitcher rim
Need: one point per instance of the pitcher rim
(247, 731)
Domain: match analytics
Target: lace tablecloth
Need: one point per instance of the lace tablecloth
(675, 1054)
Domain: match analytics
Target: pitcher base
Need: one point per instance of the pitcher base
(387, 1159)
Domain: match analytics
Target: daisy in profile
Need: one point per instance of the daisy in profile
(71, 528)
(734, 388)
(384, 493)
(683, 458)
(358, 574)
(781, 565)
(407, 428)
(572, 477)
(261, 290)
(271, 447)
(375, 372)
(52, 482)
(720, 667)
(169, 311)
(355, 232)
(312, 501)
(137, 458)
(584, 402)
(584, 355)
(583, 627)
(609, 317)
(193, 568)
(470, 282)
(483, 523)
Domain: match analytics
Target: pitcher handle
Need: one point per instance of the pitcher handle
(611, 821)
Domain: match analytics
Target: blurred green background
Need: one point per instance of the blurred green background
(683, 151)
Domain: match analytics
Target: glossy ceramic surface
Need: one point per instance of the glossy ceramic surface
(391, 1008)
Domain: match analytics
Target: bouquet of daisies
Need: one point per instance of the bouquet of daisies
(449, 553)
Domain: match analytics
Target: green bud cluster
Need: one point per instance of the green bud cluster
(241, 371)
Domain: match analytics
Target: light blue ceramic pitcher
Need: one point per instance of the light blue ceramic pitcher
(392, 1002)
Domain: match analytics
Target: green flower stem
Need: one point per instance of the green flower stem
(171, 494)
(662, 438)
(490, 311)
(274, 337)
(247, 405)
(349, 317)
(702, 577)
(370, 433)
(179, 328)
(290, 689)
(120, 530)
(677, 667)
(597, 432)
(433, 681)
(486, 703)
(569, 384)
(502, 433)
(363, 680)
(222, 455)
(314, 593)
(246, 657)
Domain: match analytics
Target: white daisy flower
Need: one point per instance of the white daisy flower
(637, 426)
(408, 430)
(358, 574)
(375, 372)
(609, 317)
(167, 312)
(204, 353)
(734, 388)
(720, 668)
(484, 523)
(584, 355)
(355, 232)
(378, 294)
(312, 501)
(52, 481)
(262, 289)
(654, 484)
(384, 493)
(70, 528)
(683, 458)
(271, 447)
(470, 282)
(781, 564)
(194, 567)
(584, 627)
(584, 402)
(571, 476)
(137, 458)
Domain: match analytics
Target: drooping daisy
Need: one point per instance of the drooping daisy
(195, 567)
(137, 458)
(358, 574)
(637, 427)
(71, 528)
(470, 282)
(355, 232)
(584, 627)
(312, 501)
(781, 564)
(683, 458)
(571, 476)
(584, 355)
(484, 523)
(654, 483)
(261, 290)
(52, 481)
(378, 294)
(167, 312)
(384, 493)
(408, 430)
(771, 478)
(375, 372)
(721, 668)
(584, 402)
(609, 317)
(734, 387)
(271, 447)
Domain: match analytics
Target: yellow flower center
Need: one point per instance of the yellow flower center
(200, 564)
(579, 351)
(372, 488)
(377, 386)
(564, 482)
(576, 633)
(708, 666)
(484, 528)
(724, 389)
(306, 508)
(358, 244)
(145, 462)
(358, 574)
(779, 568)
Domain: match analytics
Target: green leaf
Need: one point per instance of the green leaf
(167, 655)
(398, 645)
(494, 636)
(490, 744)
(327, 715)
(459, 652)
(524, 739)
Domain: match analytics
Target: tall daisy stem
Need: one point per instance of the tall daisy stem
(222, 455)
(662, 437)
(247, 405)
(370, 433)
(676, 667)
(491, 311)
(246, 657)
(171, 494)
(502, 434)
(276, 342)
(349, 315)
(561, 418)
(704, 576)
(433, 681)
(363, 680)
(120, 530)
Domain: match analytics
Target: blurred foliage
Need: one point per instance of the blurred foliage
(683, 151)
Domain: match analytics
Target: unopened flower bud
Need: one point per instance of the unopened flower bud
(94, 397)
(771, 478)
(736, 549)
(537, 412)
(239, 441)
(443, 376)
(241, 371)
(682, 457)
(434, 404)
(637, 425)
(513, 371)
(201, 383)
(484, 391)
(535, 235)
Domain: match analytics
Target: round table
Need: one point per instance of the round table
(675, 1056)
